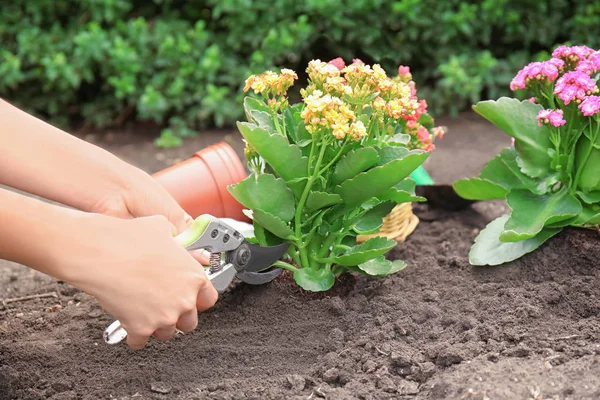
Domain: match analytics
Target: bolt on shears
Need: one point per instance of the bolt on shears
(231, 256)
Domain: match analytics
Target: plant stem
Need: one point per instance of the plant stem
(593, 139)
(337, 156)
(302, 202)
(284, 265)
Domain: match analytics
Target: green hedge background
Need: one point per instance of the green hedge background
(182, 64)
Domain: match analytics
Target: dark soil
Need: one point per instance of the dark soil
(440, 329)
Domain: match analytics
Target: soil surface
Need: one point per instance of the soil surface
(440, 329)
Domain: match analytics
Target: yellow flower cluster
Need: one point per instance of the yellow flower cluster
(271, 83)
(327, 112)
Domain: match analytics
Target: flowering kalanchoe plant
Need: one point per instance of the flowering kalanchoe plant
(332, 166)
(550, 176)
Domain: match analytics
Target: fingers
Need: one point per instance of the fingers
(188, 321)
(136, 341)
(202, 256)
(164, 334)
(207, 297)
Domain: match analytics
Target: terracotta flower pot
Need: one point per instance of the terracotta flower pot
(199, 184)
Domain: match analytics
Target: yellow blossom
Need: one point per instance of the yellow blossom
(358, 130)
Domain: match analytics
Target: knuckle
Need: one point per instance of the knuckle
(187, 304)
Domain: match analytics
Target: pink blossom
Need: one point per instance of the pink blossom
(512, 141)
(438, 132)
(411, 124)
(539, 71)
(430, 147)
(590, 106)
(574, 85)
(338, 63)
(589, 65)
(423, 135)
(357, 61)
(553, 117)
(532, 100)
(403, 71)
(574, 53)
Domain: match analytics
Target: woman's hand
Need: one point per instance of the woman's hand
(134, 267)
(140, 275)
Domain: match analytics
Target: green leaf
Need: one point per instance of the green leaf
(505, 171)
(517, 119)
(403, 192)
(588, 217)
(590, 197)
(353, 163)
(376, 181)
(381, 267)
(286, 159)
(273, 224)
(318, 200)
(267, 193)
(426, 120)
(264, 237)
(373, 219)
(372, 248)
(314, 280)
(400, 138)
(264, 120)
(531, 212)
(390, 153)
(479, 189)
(252, 104)
(489, 250)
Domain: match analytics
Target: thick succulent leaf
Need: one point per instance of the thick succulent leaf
(531, 212)
(426, 120)
(589, 178)
(252, 104)
(273, 224)
(286, 159)
(588, 217)
(267, 193)
(314, 280)
(479, 189)
(376, 181)
(353, 163)
(381, 267)
(264, 120)
(399, 139)
(590, 197)
(505, 171)
(373, 219)
(390, 153)
(372, 248)
(489, 250)
(318, 200)
(264, 237)
(517, 119)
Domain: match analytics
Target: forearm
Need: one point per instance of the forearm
(43, 160)
(35, 233)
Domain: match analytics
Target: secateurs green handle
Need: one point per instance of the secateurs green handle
(231, 256)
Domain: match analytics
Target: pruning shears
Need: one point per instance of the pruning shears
(231, 256)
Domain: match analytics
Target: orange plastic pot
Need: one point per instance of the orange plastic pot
(199, 184)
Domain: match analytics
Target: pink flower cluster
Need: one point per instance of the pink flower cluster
(552, 117)
(590, 64)
(546, 71)
(573, 53)
(590, 106)
(574, 86)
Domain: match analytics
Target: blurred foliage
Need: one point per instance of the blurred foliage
(183, 63)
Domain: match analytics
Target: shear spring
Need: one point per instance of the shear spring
(214, 262)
